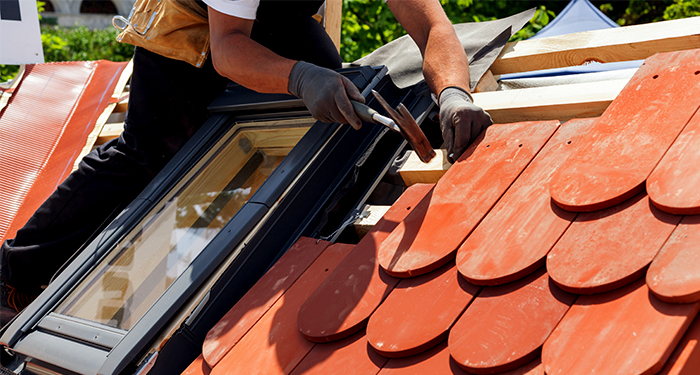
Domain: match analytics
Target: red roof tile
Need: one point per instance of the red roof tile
(351, 354)
(198, 367)
(626, 331)
(685, 360)
(274, 344)
(251, 307)
(429, 238)
(667, 184)
(506, 325)
(674, 275)
(344, 302)
(419, 312)
(524, 224)
(43, 129)
(607, 249)
(632, 135)
(500, 193)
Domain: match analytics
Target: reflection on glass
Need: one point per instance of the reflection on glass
(159, 249)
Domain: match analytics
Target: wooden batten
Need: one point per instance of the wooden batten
(488, 82)
(562, 102)
(376, 212)
(609, 45)
(332, 20)
(414, 171)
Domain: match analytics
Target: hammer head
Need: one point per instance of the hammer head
(410, 130)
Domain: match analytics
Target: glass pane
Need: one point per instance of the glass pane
(158, 250)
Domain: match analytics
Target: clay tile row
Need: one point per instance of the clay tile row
(613, 289)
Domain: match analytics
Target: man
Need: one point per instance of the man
(268, 46)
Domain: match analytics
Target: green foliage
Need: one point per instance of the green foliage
(366, 25)
(7, 72)
(369, 24)
(682, 9)
(80, 43)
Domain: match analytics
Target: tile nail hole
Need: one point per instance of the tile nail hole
(568, 142)
(655, 76)
(488, 145)
(326, 269)
(697, 72)
(520, 145)
(408, 208)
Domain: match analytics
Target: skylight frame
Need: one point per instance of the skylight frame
(341, 146)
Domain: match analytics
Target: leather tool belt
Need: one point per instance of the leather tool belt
(177, 29)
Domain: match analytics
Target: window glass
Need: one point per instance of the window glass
(129, 280)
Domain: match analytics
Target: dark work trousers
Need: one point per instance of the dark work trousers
(167, 105)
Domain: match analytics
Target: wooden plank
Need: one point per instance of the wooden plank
(332, 20)
(580, 100)
(414, 171)
(364, 225)
(487, 83)
(108, 132)
(618, 44)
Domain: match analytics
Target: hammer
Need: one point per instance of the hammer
(401, 122)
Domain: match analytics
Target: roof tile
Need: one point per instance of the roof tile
(626, 331)
(524, 225)
(429, 238)
(674, 275)
(679, 169)
(43, 130)
(274, 344)
(685, 360)
(342, 305)
(419, 312)
(251, 307)
(506, 325)
(629, 140)
(351, 354)
(607, 249)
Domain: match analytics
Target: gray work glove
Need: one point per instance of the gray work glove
(325, 93)
(461, 121)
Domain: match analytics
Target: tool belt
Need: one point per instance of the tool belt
(177, 29)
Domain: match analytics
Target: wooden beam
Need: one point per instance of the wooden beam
(364, 225)
(332, 20)
(610, 45)
(487, 83)
(562, 103)
(414, 171)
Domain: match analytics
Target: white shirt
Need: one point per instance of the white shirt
(238, 8)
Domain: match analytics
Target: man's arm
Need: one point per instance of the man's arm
(445, 63)
(236, 56)
(446, 70)
(241, 59)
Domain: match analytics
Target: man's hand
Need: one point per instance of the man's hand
(461, 121)
(326, 93)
